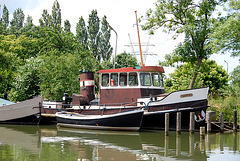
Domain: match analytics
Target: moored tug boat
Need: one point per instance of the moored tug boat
(126, 89)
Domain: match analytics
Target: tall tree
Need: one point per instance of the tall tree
(5, 15)
(45, 19)
(192, 18)
(225, 37)
(56, 15)
(67, 26)
(93, 34)
(82, 34)
(105, 49)
(29, 21)
(18, 19)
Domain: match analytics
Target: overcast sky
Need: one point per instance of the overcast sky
(121, 16)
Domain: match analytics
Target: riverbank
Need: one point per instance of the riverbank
(224, 104)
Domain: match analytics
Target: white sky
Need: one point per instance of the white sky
(121, 16)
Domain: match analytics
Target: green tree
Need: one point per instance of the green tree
(54, 39)
(29, 21)
(93, 34)
(18, 19)
(60, 76)
(210, 74)
(5, 15)
(67, 26)
(124, 60)
(225, 37)
(105, 49)
(235, 82)
(81, 33)
(8, 66)
(56, 15)
(45, 19)
(26, 83)
(192, 18)
(23, 47)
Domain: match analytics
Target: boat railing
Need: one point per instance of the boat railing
(124, 105)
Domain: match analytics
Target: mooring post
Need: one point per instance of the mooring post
(178, 123)
(222, 122)
(235, 120)
(202, 132)
(192, 123)
(166, 123)
(209, 122)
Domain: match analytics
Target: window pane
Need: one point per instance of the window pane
(145, 79)
(123, 79)
(133, 79)
(161, 80)
(155, 79)
(105, 79)
(114, 79)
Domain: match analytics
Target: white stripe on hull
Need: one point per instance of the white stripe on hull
(98, 127)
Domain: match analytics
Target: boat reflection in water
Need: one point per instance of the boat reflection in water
(49, 143)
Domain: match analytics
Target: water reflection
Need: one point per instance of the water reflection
(50, 143)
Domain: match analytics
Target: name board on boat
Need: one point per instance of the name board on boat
(186, 95)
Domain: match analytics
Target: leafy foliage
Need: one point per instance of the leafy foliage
(104, 44)
(26, 83)
(46, 58)
(93, 34)
(82, 34)
(58, 74)
(124, 60)
(210, 75)
(194, 20)
(225, 37)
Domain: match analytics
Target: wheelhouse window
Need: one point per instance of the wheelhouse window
(114, 79)
(145, 79)
(133, 79)
(105, 80)
(123, 79)
(161, 80)
(156, 79)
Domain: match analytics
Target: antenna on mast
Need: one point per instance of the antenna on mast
(140, 49)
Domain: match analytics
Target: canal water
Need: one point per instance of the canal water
(47, 143)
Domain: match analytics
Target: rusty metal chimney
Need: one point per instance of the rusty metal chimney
(87, 89)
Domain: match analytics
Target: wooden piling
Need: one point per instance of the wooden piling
(166, 123)
(209, 122)
(202, 132)
(222, 122)
(235, 120)
(192, 123)
(178, 123)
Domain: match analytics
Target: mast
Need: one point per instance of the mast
(140, 49)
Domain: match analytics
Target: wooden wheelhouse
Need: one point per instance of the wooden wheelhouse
(126, 85)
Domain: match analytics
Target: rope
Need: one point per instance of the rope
(147, 105)
(59, 109)
(220, 127)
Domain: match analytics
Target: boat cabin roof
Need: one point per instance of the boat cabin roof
(135, 69)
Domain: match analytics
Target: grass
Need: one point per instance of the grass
(226, 105)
